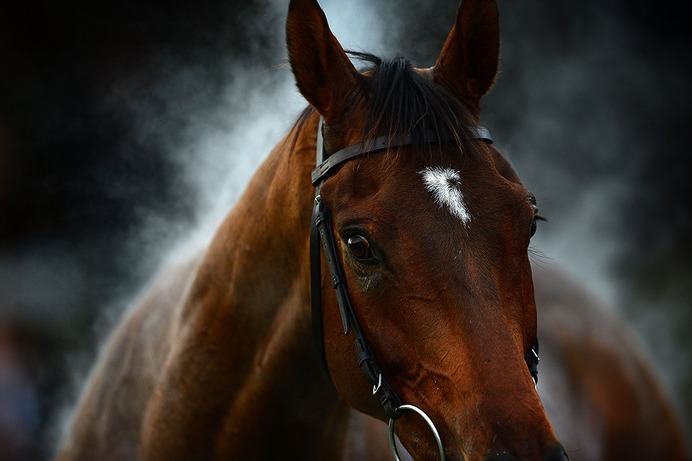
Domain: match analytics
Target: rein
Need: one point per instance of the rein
(321, 230)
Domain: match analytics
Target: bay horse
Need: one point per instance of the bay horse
(386, 213)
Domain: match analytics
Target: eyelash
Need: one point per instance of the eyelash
(534, 222)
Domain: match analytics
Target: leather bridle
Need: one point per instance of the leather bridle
(321, 230)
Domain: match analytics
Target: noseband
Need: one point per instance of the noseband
(321, 230)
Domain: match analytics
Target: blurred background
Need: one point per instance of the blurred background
(127, 129)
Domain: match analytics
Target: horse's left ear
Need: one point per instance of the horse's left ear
(324, 74)
(469, 60)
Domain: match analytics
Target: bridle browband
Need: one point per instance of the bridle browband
(321, 230)
(325, 166)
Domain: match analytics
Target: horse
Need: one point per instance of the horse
(375, 268)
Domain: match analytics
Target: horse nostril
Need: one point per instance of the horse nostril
(559, 454)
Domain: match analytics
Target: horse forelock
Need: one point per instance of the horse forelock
(402, 102)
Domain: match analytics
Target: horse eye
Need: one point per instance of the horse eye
(534, 223)
(360, 249)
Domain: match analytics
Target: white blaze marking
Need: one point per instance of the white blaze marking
(445, 185)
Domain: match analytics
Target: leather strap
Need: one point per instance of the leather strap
(366, 360)
(316, 268)
(321, 230)
(316, 294)
(325, 167)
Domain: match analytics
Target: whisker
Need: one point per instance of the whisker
(538, 257)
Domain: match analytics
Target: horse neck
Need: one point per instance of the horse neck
(251, 300)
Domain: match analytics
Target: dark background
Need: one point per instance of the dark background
(127, 126)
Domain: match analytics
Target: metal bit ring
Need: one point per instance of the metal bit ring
(427, 419)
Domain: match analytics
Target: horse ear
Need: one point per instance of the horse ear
(469, 59)
(324, 74)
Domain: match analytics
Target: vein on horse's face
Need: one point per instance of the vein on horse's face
(445, 186)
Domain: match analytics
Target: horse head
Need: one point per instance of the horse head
(432, 231)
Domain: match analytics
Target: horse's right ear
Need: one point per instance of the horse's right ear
(324, 74)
